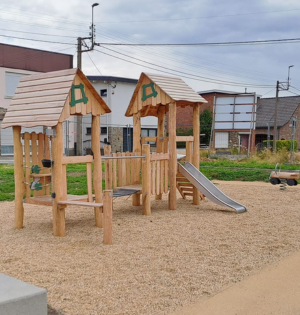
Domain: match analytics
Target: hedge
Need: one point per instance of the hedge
(280, 144)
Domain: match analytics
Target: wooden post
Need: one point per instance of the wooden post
(196, 148)
(108, 168)
(160, 135)
(107, 217)
(27, 163)
(188, 151)
(97, 180)
(136, 198)
(146, 179)
(57, 153)
(47, 156)
(173, 156)
(19, 177)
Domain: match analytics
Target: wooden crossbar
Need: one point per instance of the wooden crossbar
(77, 159)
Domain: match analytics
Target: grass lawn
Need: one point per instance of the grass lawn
(242, 170)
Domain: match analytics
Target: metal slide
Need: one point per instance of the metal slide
(213, 193)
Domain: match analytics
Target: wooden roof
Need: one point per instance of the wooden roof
(154, 90)
(48, 98)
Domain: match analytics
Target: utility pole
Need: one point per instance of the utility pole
(279, 87)
(80, 43)
(275, 118)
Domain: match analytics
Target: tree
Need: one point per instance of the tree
(205, 125)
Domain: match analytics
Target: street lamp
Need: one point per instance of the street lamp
(278, 87)
(289, 76)
(79, 65)
(93, 5)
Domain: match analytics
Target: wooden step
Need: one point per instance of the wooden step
(80, 203)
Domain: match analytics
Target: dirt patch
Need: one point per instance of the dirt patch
(158, 263)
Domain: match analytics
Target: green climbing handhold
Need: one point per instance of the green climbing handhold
(35, 169)
(38, 186)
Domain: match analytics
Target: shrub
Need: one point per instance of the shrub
(282, 144)
(183, 132)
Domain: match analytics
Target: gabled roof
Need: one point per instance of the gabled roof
(154, 90)
(111, 79)
(266, 110)
(48, 98)
(219, 92)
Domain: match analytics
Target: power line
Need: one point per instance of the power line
(295, 88)
(293, 92)
(154, 51)
(253, 42)
(269, 91)
(94, 63)
(167, 55)
(56, 35)
(37, 40)
(188, 77)
(201, 17)
(181, 72)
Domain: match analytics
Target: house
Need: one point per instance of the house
(16, 62)
(184, 118)
(117, 129)
(288, 113)
(233, 119)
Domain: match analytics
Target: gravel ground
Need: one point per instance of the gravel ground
(157, 264)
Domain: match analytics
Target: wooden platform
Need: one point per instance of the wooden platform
(47, 200)
(80, 203)
(133, 187)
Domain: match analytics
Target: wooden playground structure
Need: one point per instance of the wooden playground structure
(51, 98)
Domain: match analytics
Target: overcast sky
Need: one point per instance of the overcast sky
(255, 67)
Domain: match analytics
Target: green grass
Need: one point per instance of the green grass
(7, 183)
(239, 174)
(252, 169)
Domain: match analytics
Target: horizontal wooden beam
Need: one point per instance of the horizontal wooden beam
(184, 139)
(159, 156)
(77, 159)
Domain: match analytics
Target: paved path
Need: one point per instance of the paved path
(273, 291)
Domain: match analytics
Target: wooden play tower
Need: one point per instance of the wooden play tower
(157, 95)
(48, 100)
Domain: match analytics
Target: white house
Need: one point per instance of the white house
(115, 127)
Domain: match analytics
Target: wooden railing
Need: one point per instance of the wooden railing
(120, 168)
(159, 173)
(39, 145)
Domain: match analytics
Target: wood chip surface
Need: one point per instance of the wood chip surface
(157, 263)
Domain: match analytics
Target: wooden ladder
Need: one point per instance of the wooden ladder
(185, 187)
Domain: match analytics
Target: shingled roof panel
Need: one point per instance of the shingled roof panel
(266, 110)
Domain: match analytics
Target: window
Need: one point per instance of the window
(221, 140)
(103, 130)
(11, 83)
(88, 130)
(149, 133)
(103, 92)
